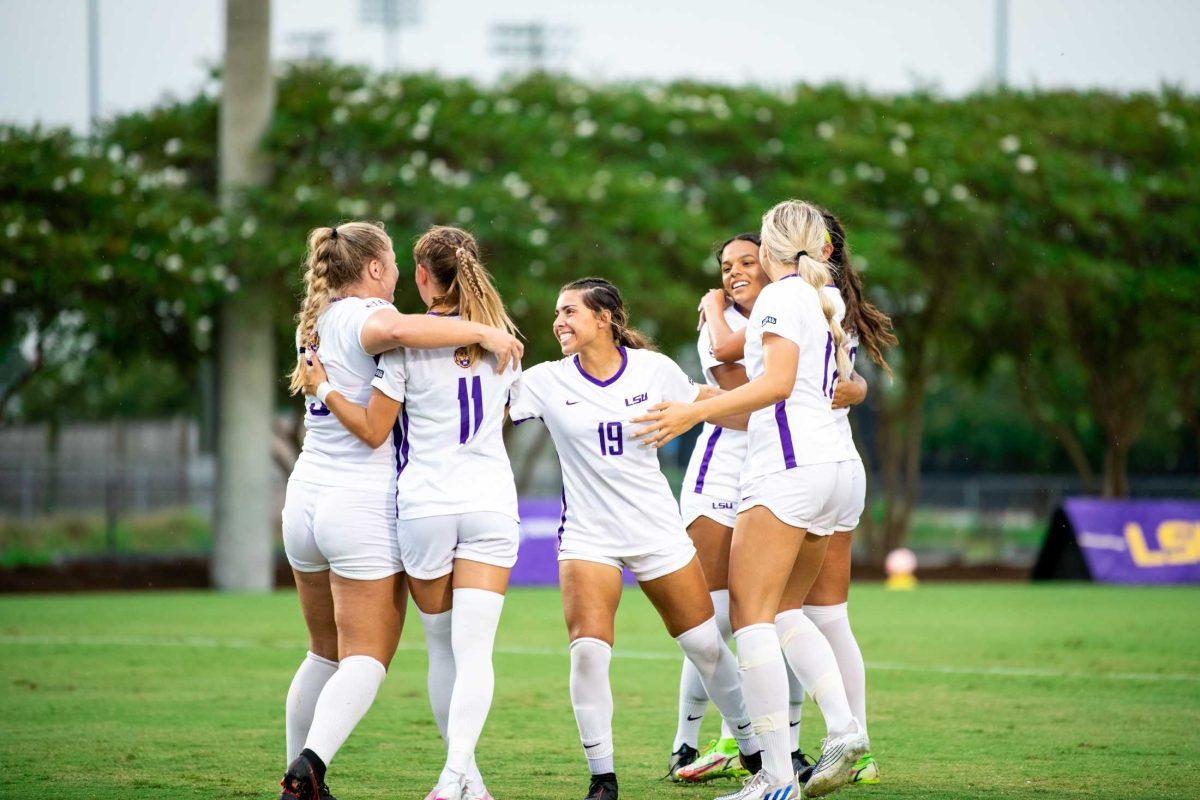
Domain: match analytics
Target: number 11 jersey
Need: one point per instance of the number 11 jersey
(616, 500)
(451, 452)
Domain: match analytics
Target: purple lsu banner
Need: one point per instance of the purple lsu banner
(1137, 541)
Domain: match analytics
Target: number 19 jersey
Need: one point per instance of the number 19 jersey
(616, 500)
(451, 448)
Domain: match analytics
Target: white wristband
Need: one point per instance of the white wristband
(323, 391)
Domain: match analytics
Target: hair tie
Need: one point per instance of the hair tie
(801, 253)
(333, 232)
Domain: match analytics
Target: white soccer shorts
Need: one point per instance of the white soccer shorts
(722, 510)
(645, 566)
(429, 545)
(350, 531)
(814, 497)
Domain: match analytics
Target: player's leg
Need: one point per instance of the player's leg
(591, 591)
(711, 539)
(321, 661)
(679, 593)
(486, 551)
(760, 559)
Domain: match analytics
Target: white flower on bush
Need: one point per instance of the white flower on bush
(898, 147)
(104, 272)
(1026, 163)
(585, 128)
(44, 227)
(232, 283)
(173, 262)
(479, 107)
(515, 186)
(340, 115)
(774, 146)
(931, 196)
(219, 273)
(420, 131)
(1010, 144)
(904, 130)
(13, 229)
(677, 127)
(538, 237)
(408, 174)
(76, 175)
(249, 227)
(825, 129)
(418, 158)
(115, 153)
(8, 286)
(673, 185)
(837, 177)
(507, 105)
(387, 210)
(656, 150)
(763, 114)
(921, 175)
(742, 184)
(960, 192)
(864, 171)
(302, 193)
(59, 183)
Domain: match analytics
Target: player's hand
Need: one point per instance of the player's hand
(712, 305)
(665, 421)
(506, 347)
(849, 393)
(313, 369)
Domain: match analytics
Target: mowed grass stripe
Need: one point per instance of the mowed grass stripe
(292, 646)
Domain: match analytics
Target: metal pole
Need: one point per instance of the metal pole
(1001, 44)
(93, 34)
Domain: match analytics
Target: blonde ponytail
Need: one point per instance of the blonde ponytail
(336, 258)
(791, 232)
(452, 257)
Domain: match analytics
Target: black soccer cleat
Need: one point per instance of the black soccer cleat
(305, 779)
(801, 766)
(752, 763)
(603, 787)
(686, 754)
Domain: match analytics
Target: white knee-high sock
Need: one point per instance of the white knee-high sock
(343, 702)
(476, 615)
(834, 624)
(591, 697)
(693, 697)
(795, 706)
(302, 697)
(764, 685)
(440, 680)
(812, 659)
(717, 667)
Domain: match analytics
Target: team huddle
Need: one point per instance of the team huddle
(399, 488)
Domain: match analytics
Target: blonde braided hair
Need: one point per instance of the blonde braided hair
(336, 258)
(794, 232)
(451, 255)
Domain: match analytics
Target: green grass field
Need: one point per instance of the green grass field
(1006, 691)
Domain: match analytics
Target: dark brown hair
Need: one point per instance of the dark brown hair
(602, 295)
(863, 318)
(741, 237)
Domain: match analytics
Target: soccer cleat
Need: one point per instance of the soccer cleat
(720, 759)
(449, 791)
(603, 787)
(801, 766)
(832, 770)
(686, 754)
(865, 771)
(759, 787)
(304, 780)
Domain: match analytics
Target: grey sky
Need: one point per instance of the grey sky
(154, 47)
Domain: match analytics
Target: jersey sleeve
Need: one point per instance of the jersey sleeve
(525, 400)
(777, 311)
(676, 385)
(364, 312)
(391, 374)
(705, 349)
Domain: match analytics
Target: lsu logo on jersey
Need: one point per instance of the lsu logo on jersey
(633, 401)
(462, 357)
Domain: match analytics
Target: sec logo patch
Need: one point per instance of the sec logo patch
(462, 357)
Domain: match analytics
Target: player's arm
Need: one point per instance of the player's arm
(851, 392)
(371, 424)
(728, 345)
(666, 421)
(728, 377)
(387, 329)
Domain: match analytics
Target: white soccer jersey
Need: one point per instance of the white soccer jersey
(451, 447)
(332, 455)
(616, 501)
(803, 428)
(843, 414)
(715, 467)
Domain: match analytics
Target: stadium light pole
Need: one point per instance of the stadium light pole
(93, 47)
(246, 382)
(1001, 75)
(530, 45)
(391, 16)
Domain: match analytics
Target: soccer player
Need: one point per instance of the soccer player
(796, 467)
(618, 511)
(455, 496)
(339, 512)
(825, 603)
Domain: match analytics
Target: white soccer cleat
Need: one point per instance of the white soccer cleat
(759, 787)
(448, 791)
(833, 769)
(469, 795)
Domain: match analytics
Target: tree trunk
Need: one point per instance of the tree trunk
(901, 427)
(242, 542)
(1116, 468)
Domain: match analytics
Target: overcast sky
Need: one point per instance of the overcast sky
(150, 48)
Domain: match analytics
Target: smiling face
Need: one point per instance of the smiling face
(575, 325)
(741, 273)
